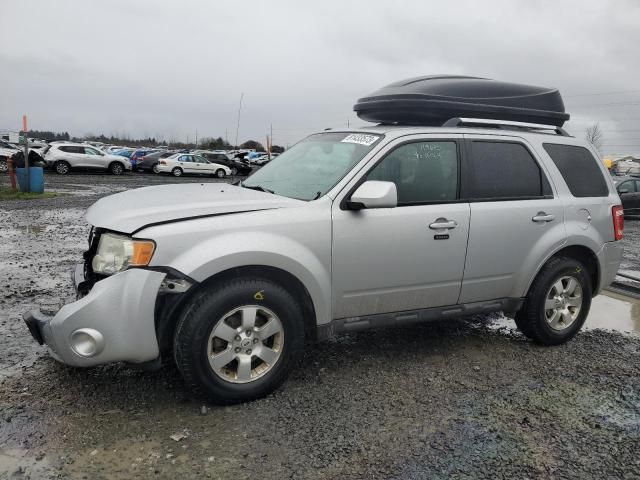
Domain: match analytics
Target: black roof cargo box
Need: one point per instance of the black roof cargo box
(433, 100)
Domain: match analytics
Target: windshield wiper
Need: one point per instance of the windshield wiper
(260, 188)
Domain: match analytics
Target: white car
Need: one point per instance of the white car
(6, 151)
(182, 163)
(63, 157)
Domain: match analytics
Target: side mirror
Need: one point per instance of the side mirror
(374, 194)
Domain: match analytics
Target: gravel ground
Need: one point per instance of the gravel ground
(457, 399)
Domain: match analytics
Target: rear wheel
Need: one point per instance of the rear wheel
(4, 166)
(155, 168)
(558, 302)
(220, 173)
(239, 341)
(116, 168)
(176, 172)
(62, 167)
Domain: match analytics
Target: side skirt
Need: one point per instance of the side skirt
(409, 317)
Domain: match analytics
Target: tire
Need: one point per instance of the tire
(155, 168)
(570, 302)
(234, 171)
(220, 173)
(4, 166)
(62, 168)
(176, 172)
(195, 339)
(116, 168)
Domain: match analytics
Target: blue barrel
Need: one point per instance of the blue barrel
(36, 179)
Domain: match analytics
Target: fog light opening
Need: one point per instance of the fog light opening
(87, 342)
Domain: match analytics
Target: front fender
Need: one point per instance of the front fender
(227, 251)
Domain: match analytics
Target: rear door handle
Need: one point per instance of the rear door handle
(542, 217)
(443, 223)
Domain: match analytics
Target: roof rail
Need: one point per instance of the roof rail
(503, 125)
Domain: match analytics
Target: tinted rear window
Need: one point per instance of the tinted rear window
(579, 169)
(504, 170)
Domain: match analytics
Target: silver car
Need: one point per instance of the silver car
(67, 156)
(345, 231)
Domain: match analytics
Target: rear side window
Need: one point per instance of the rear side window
(504, 171)
(579, 169)
(72, 149)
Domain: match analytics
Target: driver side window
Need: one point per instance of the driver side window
(424, 172)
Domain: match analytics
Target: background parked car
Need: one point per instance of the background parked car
(6, 151)
(237, 166)
(138, 155)
(629, 191)
(149, 162)
(185, 163)
(63, 157)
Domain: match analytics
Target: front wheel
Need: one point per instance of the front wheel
(116, 168)
(558, 302)
(220, 173)
(238, 341)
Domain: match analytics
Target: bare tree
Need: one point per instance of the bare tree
(594, 136)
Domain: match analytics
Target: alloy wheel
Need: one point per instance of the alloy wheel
(563, 303)
(245, 344)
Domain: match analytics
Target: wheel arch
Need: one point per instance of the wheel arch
(167, 316)
(584, 255)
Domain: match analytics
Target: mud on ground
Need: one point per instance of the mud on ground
(461, 399)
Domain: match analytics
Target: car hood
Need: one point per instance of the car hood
(130, 211)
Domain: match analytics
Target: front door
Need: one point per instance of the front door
(411, 256)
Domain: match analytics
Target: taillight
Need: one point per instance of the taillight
(162, 162)
(618, 221)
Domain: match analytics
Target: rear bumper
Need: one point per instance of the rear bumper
(113, 322)
(609, 258)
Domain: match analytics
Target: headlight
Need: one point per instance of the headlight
(116, 253)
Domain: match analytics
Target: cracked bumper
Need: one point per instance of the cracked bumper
(113, 322)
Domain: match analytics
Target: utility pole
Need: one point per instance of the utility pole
(270, 139)
(26, 153)
(238, 125)
(226, 135)
(196, 138)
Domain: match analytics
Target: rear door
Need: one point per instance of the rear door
(515, 219)
(74, 155)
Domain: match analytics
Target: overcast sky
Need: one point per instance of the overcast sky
(166, 68)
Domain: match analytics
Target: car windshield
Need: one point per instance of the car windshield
(313, 166)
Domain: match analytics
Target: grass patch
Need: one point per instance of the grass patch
(7, 194)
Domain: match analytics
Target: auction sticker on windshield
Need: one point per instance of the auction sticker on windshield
(361, 139)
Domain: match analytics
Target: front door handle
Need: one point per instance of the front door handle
(442, 224)
(542, 217)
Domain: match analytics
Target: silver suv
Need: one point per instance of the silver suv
(345, 231)
(63, 157)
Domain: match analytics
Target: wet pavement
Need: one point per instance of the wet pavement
(457, 399)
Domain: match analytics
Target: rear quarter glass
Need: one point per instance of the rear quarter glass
(579, 169)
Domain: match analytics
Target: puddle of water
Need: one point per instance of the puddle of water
(609, 311)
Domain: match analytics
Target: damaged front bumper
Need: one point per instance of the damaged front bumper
(113, 322)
